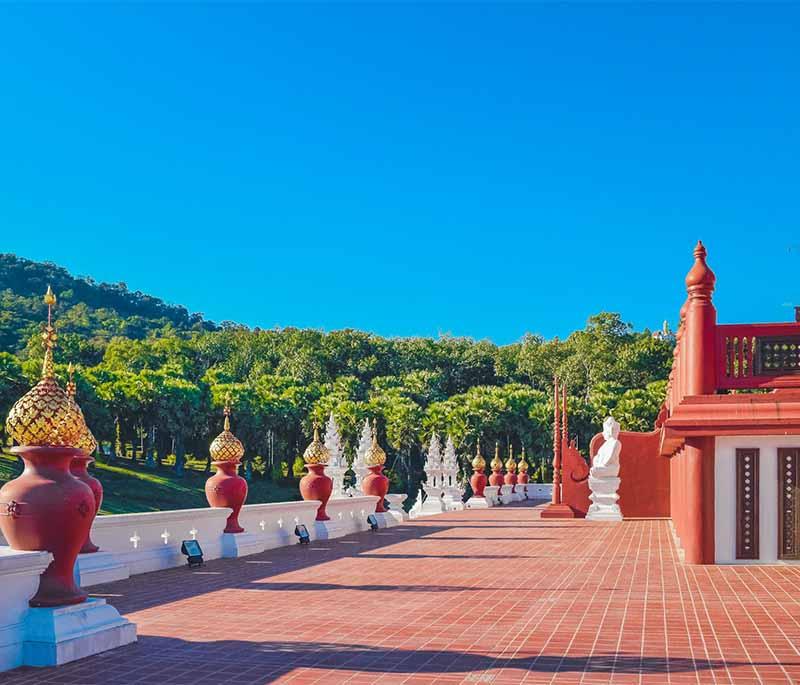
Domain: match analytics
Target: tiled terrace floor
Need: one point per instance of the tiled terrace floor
(492, 596)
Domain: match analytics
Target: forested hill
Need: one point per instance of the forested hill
(161, 375)
(94, 311)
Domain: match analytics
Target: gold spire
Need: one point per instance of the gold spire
(375, 456)
(478, 462)
(86, 443)
(497, 462)
(316, 452)
(46, 415)
(226, 446)
(523, 465)
(511, 465)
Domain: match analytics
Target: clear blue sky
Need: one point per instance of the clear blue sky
(482, 170)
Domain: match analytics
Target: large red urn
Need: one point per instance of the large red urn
(478, 479)
(226, 488)
(375, 483)
(79, 469)
(48, 509)
(522, 469)
(315, 485)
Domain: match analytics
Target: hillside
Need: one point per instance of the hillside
(93, 312)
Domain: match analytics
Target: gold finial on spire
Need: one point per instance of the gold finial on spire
(71, 387)
(511, 465)
(227, 412)
(497, 462)
(226, 446)
(478, 462)
(522, 467)
(46, 415)
(375, 456)
(316, 452)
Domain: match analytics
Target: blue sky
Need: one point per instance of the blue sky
(480, 170)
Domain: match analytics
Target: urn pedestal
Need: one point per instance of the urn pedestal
(315, 485)
(227, 489)
(478, 482)
(79, 469)
(375, 483)
(48, 509)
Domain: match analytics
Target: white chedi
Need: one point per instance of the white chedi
(359, 464)
(336, 465)
(453, 491)
(433, 468)
(604, 476)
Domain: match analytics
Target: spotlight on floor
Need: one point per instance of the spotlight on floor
(302, 533)
(193, 552)
(373, 521)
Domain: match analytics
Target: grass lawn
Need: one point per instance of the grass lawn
(132, 487)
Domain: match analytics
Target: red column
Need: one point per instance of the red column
(700, 378)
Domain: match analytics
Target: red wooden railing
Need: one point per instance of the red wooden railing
(758, 356)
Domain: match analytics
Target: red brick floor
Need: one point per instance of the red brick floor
(492, 596)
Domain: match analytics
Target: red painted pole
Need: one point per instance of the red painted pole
(556, 447)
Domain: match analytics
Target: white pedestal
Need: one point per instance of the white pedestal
(326, 530)
(519, 493)
(492, 495)
(453, 499)
(506, 496)
(432, 505)
(242, 544)
(396, 506)
(59, 635)
(99, 567)
(604, 498)
(478, 503)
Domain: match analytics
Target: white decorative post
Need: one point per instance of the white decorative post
(604, 476)
(359, 466)
(336, 466)
(453, 491)
(433, 486)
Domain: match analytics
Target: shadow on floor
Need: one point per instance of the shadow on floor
(179, 662)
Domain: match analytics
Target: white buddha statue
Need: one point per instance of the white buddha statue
(604, 476)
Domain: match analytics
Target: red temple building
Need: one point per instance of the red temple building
(722, 461)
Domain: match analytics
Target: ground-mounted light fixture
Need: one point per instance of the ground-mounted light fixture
(373, 521)
(193, 552)
(302, 534)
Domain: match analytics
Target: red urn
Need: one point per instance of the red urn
(497, 468)
(511, 470)
(79, 469)
(48, 509)
(522, 468)
(478, 479)
(315, 485)
(375, 483)
(226, 488)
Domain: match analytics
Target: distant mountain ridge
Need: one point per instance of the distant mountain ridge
(98, 310)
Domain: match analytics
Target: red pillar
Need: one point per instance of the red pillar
(700, 377)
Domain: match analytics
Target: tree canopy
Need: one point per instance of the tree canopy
(162, 374)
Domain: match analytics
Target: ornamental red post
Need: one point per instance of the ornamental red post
(700, 373)
(556, 447)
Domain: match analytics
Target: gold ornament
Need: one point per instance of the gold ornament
(316, 452)
(523, 465)
(478, 462)
(86, 443)
(45, 416)
(375, 456)
(497, 463)
(226, 446)
(511, 465)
